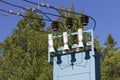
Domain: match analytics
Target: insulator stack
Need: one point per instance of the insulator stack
(69, 22)
(55, 26)
(84, 20)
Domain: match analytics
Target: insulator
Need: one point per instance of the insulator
(69, 22)
(10, 11)
(55, 26)
(84, 20)
(80, 38)
(65, 41)
(17, 13)
(50, 43)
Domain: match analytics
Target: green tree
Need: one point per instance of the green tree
(97, 45)
(25, 52)
(110, 42)
(109, 46)
(1, 48)
(110, 65)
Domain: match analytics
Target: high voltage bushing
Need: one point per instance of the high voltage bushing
(84, 20)
(69, 22)
(50, 43)
(55, 25)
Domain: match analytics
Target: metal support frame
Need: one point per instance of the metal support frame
(73, 47)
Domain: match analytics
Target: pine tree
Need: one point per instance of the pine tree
(109, 46)
(110, 42)
(110, 65)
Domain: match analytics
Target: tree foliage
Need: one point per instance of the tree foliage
(25, 52)
(110, 66)
(110, 42)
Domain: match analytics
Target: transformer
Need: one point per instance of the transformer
(80, 62)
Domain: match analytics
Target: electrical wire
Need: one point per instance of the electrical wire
(25, 17)
(57, 9)
(49, 6)
(43, 5)
(94, 22)
(18, 14)
(36, 10)
(44, 13)
(50, 13)
(11, 4)
(23, 8)
(33, 9)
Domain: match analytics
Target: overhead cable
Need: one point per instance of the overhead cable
(57, 9)
(25, 17)
(23, 8)
(36, 10)
(47, 6)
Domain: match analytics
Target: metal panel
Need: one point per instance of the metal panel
(83, 68)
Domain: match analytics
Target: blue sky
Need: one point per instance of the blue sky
(105, 12)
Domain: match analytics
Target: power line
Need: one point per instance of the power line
(23, 8)
(44, 13)
(18, 14)
(49, 6)
(43, 5)
(36, 10)
(12, 4)
(25, 17)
